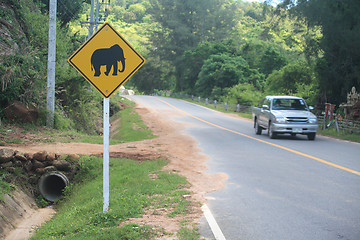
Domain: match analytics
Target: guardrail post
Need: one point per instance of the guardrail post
(215, 103)
(238, 108)
(226, 106)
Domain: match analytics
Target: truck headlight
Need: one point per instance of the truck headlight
(312, 120)
(280, 120)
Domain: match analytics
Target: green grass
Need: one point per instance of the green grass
(131, 127)
(220, 108)
(132, 189)
(341, 134)
(5, 187)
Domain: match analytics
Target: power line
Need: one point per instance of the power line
(98, 20)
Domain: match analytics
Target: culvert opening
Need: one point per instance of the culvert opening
(51, 185)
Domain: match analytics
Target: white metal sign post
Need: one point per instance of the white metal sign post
(106, 157)
(106, 60)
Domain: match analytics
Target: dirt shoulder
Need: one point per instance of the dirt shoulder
(185, 158)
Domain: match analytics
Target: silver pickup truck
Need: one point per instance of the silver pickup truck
(284, 114)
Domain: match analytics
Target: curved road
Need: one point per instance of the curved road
(285, 188)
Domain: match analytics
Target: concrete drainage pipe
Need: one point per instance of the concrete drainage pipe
(51, 185)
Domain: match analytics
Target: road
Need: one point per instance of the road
(285, 188)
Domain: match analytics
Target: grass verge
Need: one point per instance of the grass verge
(331, 132)
(134, 188)
(5, 187)
(130, 127)
(219, 109)
(128, 124)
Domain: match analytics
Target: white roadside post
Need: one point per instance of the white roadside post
(106, 156)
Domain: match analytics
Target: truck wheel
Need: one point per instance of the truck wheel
(271, 133)
(258, 129)
(311, 136)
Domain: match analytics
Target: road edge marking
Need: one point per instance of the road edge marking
(269, 143)
(212, 223)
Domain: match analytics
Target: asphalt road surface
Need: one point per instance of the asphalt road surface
(285, 188)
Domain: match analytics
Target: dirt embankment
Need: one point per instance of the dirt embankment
(172, 143)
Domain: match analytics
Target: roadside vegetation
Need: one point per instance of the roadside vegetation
(135, 188)
(5, 186)
(126, 124)
(345, 135)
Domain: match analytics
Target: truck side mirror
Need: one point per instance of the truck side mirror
(311, 108)
(265, 107)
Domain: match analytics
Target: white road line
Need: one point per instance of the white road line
(212, 223)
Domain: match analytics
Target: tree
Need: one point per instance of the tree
(153, 75)
(339, 67)
(243, 94)
(221, 71)
(186, 23)
(193, 60)
(286, 80)
(271, 60)
(67, 10)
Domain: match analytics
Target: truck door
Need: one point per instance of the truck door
(264, 113)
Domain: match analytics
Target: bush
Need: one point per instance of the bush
(243, 94)
(287, 79)
(221, 71)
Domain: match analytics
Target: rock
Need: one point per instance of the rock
(62, 165)
(18, 111)
(28, 165)
(7, 164)
(34, 179)
(17, 163)
(63, 157)
(38, 164)
(21, 158)
(10, 169)
(28, 156)
(50, 169)
(73, 157)
(6, 155)
(40, 156)
(40, 171)
(50, 157)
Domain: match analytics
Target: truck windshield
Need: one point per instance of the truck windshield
(288, 104)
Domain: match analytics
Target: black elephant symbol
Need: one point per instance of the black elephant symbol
(108, 57)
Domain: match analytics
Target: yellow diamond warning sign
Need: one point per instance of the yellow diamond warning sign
(106, 60)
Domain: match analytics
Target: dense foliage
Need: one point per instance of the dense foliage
(24, 64)
(339, 64)
(224, 49)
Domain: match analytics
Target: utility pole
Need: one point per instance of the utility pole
(91, 28)
(50, 97)
(97, 15)
(95, 21)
